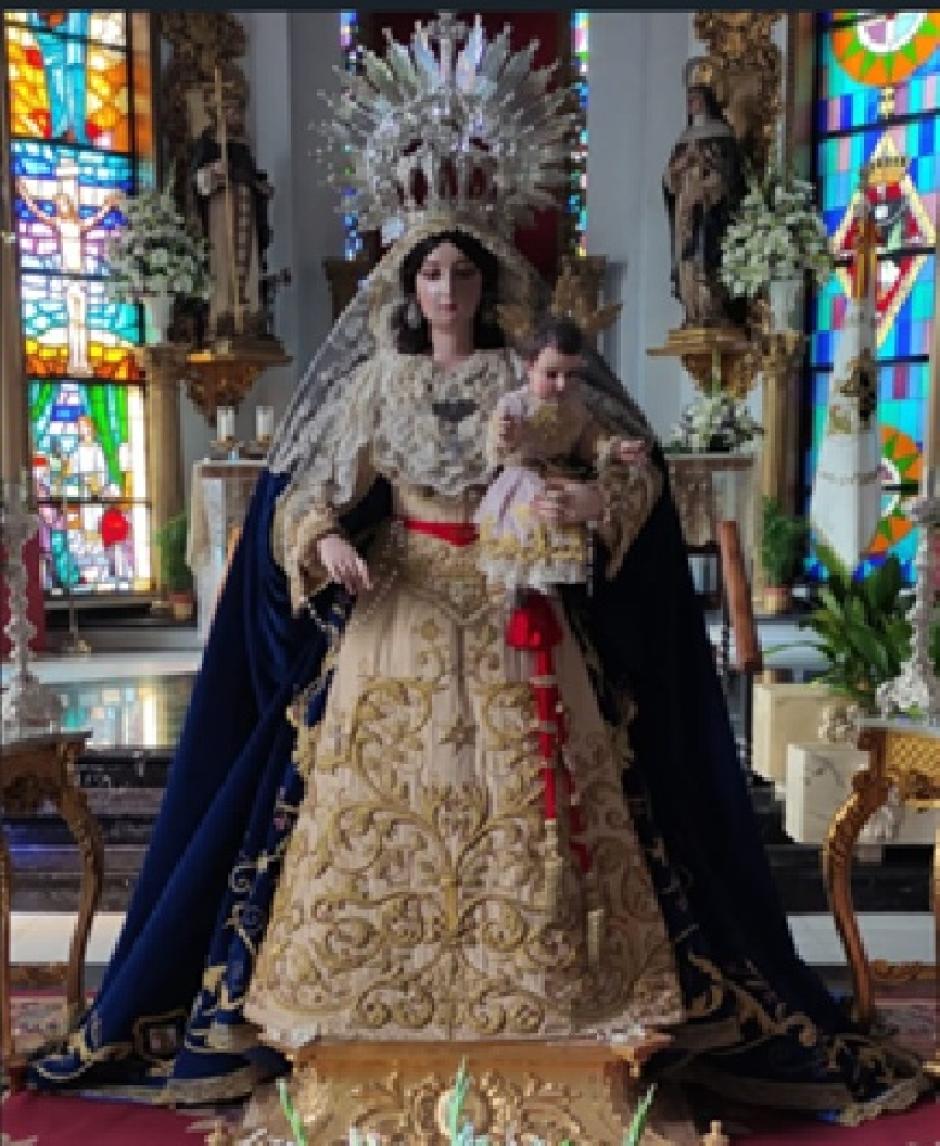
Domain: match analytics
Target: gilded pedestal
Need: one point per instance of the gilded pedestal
(223, 374)
(34, 770)
(584, 1091)
(905, 756)
(716, 357)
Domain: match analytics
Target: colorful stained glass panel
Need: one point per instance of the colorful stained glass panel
(89, 470)
(65, 86)
(71, 110)
(878, 105)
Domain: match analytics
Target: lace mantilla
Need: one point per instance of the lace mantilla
(409, 420)
(432, 423)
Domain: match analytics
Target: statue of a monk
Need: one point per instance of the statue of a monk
(703, 185)
(235, 223)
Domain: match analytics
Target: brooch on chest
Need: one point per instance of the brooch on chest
(454, 410)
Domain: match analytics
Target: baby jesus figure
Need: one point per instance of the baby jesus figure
(538, 433)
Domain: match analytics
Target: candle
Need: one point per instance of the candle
(225, 423)
(264, 423)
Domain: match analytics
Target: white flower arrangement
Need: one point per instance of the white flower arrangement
(777, 234)
(155, 253)
(713, 423)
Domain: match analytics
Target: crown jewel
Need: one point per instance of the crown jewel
(452, 122)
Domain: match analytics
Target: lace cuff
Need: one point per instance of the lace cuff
(294, 545)
(629, 493)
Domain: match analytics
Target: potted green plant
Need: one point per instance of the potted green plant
(782, 540)
(175, 573)
(861, 628)
(776, 237)
(156, 258)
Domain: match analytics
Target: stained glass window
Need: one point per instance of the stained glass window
(80, 137)
(877, 102)
(577, 200)
(352, 55)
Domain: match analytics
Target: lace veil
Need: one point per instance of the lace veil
(333, 408)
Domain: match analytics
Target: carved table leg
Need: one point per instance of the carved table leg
(73, 808)
(871, 791)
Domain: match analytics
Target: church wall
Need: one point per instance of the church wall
(635, 112)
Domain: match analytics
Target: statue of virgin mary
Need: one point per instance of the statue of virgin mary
(355, 841)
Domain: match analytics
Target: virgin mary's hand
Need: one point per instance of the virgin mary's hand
(343, 564)
(565, 502)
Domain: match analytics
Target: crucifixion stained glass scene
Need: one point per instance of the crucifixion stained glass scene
(80, 139)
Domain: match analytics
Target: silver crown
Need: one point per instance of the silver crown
(452, 124)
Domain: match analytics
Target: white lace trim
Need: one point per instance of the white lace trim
(407, 419)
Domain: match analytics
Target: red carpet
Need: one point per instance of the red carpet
(917, 1127)
(34, 1120)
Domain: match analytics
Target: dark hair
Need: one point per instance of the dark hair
(487, 334)
(562, 334)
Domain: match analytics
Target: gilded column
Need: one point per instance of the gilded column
(780, 359)
(165, 366)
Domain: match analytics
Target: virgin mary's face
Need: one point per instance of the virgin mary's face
(449, 286)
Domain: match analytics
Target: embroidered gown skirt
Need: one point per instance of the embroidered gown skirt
(413, 901)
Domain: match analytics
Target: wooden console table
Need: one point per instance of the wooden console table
(33, 770)
(904, 756)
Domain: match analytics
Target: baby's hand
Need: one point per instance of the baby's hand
(629, 451)
(508, 430)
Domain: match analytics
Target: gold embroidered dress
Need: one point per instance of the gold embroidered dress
(412, 903)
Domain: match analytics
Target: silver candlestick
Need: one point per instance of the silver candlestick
(26, 705)
(916, 690)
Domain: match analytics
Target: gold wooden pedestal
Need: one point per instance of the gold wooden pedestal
(223, 374)
(585, 1091)
(721, 356)
(905, 756)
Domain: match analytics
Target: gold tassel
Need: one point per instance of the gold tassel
(553, 869)
(595, 936)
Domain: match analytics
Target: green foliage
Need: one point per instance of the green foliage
(860, 628)
(935, 646)
(292, 1114)
(171, 541)
(638, 1123)
(782, 543)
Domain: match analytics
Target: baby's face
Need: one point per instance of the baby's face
(552, 373)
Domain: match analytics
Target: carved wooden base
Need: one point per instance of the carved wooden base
(713, 353)
(584, 1091)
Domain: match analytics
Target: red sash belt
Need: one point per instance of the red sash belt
(459, 533)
